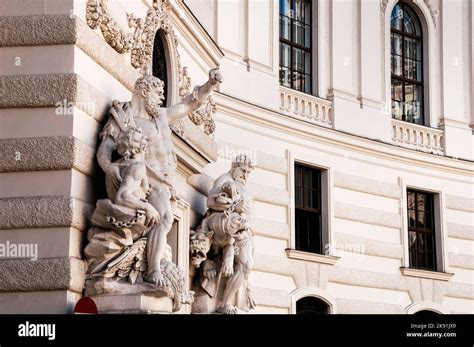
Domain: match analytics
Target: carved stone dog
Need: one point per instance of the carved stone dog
(227, 227)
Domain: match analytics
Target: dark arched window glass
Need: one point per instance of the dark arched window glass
(295, 44)
(159, 63)
(426, 313)
(407, 65)
(311, 305)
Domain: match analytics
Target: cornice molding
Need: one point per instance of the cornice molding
(250, 115)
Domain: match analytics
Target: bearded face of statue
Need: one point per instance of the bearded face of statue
(153, 100)
(240, 173)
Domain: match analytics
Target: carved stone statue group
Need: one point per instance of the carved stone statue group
(128, 234)
(221, 248)
(127, 250)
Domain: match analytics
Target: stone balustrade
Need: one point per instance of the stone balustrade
(306, 107)
(417, 137)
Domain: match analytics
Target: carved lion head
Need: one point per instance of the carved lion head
(199, 246)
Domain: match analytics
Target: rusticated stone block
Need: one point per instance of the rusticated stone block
(21, 275)
(37, 30)
(51, 90)
(43, 212)
(46, 153)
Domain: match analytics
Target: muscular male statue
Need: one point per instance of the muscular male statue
(145, 112)
(241, 264)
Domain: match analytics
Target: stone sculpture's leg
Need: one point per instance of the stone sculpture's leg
(156, 243)
(243, 267)
(228, 261)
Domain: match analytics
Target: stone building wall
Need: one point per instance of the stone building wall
(59, 76)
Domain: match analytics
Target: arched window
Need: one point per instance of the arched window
(407, 65)
(426, 313)
(311, 305)
(295, 44)
(426, 308)
(159, 63)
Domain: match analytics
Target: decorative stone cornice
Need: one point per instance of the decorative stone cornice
(434, 12)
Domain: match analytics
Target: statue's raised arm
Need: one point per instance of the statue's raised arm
(196, 99)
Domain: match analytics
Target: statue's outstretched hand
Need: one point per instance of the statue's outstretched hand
(215, 76)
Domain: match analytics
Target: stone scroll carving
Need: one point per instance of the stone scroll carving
(434, 12)
(139, 44)
(221, 247)
(127, 250)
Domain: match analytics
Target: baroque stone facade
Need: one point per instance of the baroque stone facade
(84, 225)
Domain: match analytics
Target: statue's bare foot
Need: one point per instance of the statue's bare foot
(227, 268)
(228, 309)
(155, 277)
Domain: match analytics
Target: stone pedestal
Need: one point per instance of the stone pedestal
(133, 304)
(113, 295)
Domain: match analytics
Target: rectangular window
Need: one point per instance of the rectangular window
(421, 230)
(308, 212)
(295, 44)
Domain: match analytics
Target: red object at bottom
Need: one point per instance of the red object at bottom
(85, 305)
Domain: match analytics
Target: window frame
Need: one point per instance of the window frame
(327, 202)
(182, 215)
(314, 211)
(313, 291)
(292, 44)
(439, 204)
(417, 230)
(402, 78)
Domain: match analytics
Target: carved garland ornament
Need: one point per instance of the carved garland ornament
(433, 11)
(140, 45)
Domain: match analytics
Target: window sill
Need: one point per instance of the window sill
(314, 257)
(434, 275)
